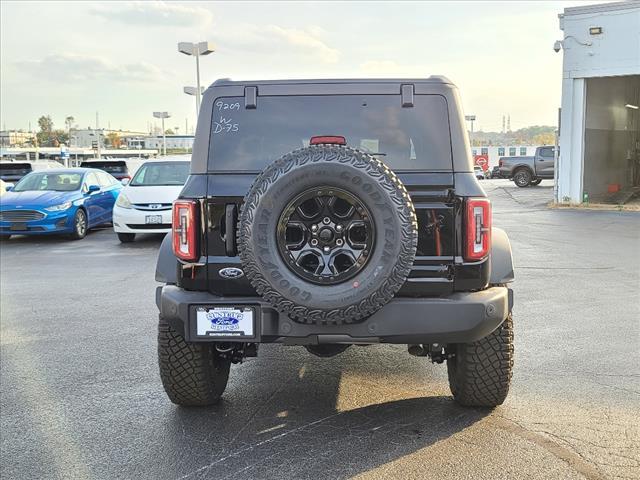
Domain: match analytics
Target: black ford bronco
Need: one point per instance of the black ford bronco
(328, 213)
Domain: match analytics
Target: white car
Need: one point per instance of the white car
(144, 205)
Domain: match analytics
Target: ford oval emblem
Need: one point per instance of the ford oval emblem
(231, 272)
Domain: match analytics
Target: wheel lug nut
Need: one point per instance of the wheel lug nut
(339, 242)
(314, 242)
(326, 220)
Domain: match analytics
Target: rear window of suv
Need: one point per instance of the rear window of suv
(109, 167)
(413, 138)
(15, 168)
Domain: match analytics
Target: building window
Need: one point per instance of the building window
(475, 152)
(512, 151)
(523, 151)
(485, 151)
(501, 152)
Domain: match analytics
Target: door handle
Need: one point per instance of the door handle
(230, 220)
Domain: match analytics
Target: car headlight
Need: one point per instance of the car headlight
(59, 208)
(123, 201)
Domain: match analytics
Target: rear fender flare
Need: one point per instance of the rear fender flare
(167, 263)
(501, 258)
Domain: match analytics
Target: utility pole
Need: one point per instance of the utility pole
(35, 137)
(98, 136)
(471, 119)
(162, 116)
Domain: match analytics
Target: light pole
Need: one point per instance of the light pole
(470, 118)
(196, 49)
(163, 115)
(99, 151)
(194, 92)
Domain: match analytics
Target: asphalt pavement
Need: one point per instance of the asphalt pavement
(80, 395)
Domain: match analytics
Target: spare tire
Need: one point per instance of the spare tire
(327, 234)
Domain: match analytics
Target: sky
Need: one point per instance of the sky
(121, 59)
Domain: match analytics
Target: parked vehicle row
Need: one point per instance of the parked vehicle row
(71, 201)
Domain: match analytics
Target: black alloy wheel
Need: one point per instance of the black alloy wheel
(522, 178)
(325, 235)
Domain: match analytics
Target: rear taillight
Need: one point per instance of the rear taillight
(478, 228)
(184, 227)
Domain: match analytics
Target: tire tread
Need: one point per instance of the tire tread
(191, 374)
(480, 372)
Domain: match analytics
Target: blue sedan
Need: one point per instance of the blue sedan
(65, 200)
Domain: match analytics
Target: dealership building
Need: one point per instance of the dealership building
(600, 113)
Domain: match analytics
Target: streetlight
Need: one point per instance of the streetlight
(194, 92)
(163, 115)
(196, 49)
(470, 118)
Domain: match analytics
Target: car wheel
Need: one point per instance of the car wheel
(126, 237)
(303, 240)
(192, 374)
(80, 225)
(522, 178)
(537, 181)
(480, 372)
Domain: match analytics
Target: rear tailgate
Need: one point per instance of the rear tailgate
(432, 273)
(414, 141)
(12, 172)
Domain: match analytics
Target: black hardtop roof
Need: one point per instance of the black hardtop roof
(438, 79)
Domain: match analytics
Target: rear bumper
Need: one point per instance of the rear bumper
(458, 318)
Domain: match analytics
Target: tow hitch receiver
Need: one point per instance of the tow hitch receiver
(437, 352)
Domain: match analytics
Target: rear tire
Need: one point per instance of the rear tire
(126, 237)
(192, 374)
(80, 225)
(522, 178)
(480, 372)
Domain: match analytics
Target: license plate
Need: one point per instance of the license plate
(224, 322)
(153, 219)
(18, 227)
